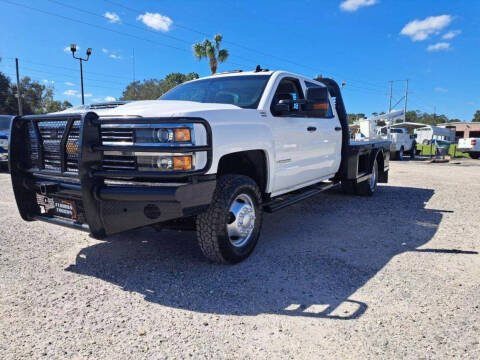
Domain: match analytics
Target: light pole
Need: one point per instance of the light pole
(73, 49)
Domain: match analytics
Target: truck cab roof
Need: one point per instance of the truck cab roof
(275, 73)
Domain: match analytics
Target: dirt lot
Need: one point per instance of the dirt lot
(393, 276)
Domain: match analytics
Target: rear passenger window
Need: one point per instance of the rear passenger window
(328, 113)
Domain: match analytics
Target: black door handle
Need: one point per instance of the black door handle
(312, 128)
(338, 128)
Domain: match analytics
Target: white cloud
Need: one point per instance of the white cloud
(45, 81)
(112, 17)
(451, 34)
(71, 92)
(109, 98)
(441, 46)
(354, 5)
(113, 56)
(419, 30)
(156, 21)
(440, 89)
(67, 49)
(74, 93)
(105, 51)
(68, 83)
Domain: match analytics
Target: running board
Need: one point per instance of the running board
(289, 199)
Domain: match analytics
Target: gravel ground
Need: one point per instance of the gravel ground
(393, 276)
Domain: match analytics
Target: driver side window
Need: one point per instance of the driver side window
(288, 89)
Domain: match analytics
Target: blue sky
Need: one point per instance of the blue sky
(365, 43)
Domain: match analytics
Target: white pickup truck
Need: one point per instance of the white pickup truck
(401, 141)
(215, 152)
(470, 146)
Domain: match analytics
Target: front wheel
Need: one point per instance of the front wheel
(229, 230)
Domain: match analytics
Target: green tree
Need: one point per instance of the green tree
(476, 117)
(8, 102)
(211, 51)
(354, 117)
(154, 88)
(174, 79)
(36, 98)
(50, 105)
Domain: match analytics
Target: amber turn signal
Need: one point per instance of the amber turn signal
(182, 135)
(182, 163)
(320, 106)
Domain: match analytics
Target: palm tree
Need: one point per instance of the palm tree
(212, 51)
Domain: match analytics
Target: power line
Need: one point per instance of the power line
(66, 68)
(37, 78)
(93, 25)
(256, 51)
(149, 40)
(123, 22)
(101, 27)
(137, 27)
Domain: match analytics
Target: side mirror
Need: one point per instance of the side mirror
(283, 105)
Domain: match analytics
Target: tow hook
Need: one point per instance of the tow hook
(48, 188)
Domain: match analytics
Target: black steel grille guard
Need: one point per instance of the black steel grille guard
(91, 177)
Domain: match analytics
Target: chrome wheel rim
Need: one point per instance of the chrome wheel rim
(241, 220)
(373, 179)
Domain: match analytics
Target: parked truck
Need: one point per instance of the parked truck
(401, 142)
(471, 146)
(217, 152)
(4, 132)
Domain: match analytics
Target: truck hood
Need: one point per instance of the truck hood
(165, 108)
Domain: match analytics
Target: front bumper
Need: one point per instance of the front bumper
(105, 202)
(123, 207)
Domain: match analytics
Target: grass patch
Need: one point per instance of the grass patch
(428, 150)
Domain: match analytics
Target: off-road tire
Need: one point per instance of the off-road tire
(211, 225)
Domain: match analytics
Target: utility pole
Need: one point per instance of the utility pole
(73, 48)
(19, 93)
(81, 81)
(390, 102)
(133, 64)
(406, 100)
(133, 73)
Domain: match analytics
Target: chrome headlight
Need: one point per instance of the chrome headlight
(181, 135)
(166, 137)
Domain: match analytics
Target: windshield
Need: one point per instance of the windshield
(4, 123)
(242, 91)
